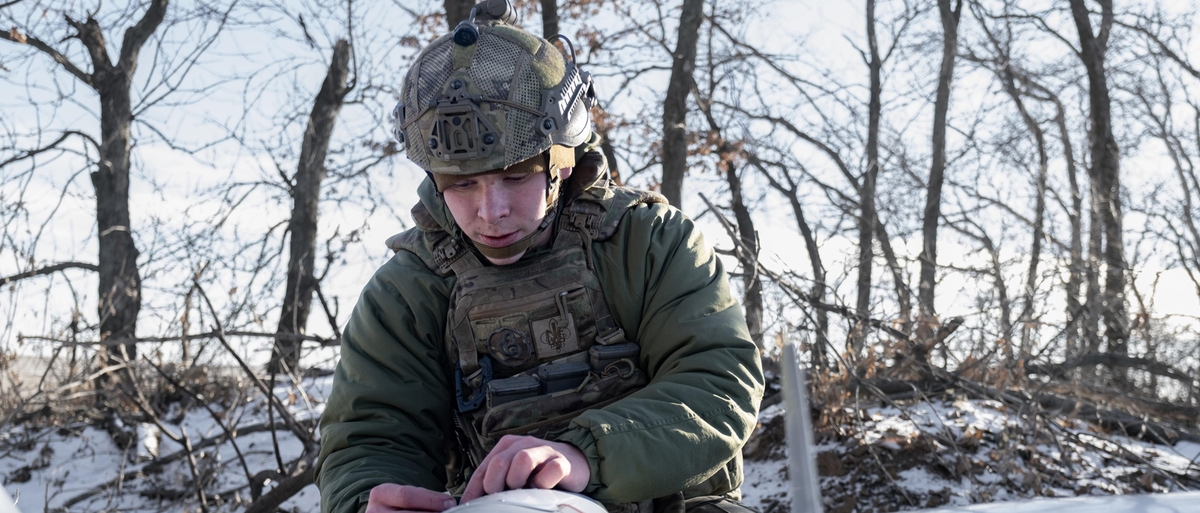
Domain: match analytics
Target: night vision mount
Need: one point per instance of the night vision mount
(467, 33)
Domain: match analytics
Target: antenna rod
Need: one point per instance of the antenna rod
(802, 457)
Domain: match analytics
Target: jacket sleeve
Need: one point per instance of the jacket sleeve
(664, 283)
(388, 414)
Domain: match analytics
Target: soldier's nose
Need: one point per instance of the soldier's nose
(493, 204)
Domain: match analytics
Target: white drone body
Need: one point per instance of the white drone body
(530, 501)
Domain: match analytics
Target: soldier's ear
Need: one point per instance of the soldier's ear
(564, 173)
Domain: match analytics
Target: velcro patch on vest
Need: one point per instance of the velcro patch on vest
(506, 339)
(555, 336)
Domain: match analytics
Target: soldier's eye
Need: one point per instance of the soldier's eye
(516, 178)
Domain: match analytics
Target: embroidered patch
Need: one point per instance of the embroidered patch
(555, 336)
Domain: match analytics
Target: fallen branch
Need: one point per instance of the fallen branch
(325, 342)
(1059, 370)
(1139, 427)
(303, 473)
(158, 464)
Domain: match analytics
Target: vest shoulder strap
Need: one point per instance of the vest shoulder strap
(598, 211)
(439, 251)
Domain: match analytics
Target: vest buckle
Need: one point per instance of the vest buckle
(483, 375)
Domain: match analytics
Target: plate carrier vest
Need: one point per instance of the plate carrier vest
(535, 342)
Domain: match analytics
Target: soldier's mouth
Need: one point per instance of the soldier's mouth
(500, 241)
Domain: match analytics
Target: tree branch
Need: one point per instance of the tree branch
(48, 270)
(92, 37)
(58, 57)
(137, 35)
(63, 137)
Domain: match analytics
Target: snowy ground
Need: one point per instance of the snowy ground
(943, 452)
(78, 468)
(959, 452)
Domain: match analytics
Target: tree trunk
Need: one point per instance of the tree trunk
(1092, 309)
(120, 293)
(937, 172)
(457, 11)
(866, 192)
(549, 18)
(819, 356)
(820, 348)
(1035, 252)
(1006, 325)
(903, 297)
(120, 284)
(674, 117)
(1075, 312)
(1105, 163)
(306, 194)
(751, 283)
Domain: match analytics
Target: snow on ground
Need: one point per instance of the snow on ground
(963, 451)
(941, 452)
(79, 468)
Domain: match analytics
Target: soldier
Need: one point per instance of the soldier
(539, 327)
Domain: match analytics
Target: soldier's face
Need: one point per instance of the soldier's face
(499, 209)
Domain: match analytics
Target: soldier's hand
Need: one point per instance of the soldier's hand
(529, 462)
(390, 498)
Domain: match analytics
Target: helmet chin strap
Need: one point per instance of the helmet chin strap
(553, 186)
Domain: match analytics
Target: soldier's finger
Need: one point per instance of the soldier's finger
(524, 463)
(508, 442)
(497, 473)
(394, 497)
(551, 472)
(474, 487)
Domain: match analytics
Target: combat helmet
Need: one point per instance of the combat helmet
(490, 95)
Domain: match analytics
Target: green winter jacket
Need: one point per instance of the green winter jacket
(389, 415)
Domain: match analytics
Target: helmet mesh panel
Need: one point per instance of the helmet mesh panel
(436, 67)
(524, 138)
(431, 71)
(493, 65)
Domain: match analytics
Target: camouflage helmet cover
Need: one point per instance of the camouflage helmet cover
(486, 106)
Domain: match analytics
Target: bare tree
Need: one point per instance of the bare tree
(674, 114)
(933, 200)
(787, 186)
(868, 215)
(1007, 71)
(112, 78)
(728, 155)
(306, 192)
(120, 283)
(1104, 169)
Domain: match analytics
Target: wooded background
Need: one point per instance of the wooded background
(999, 189)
